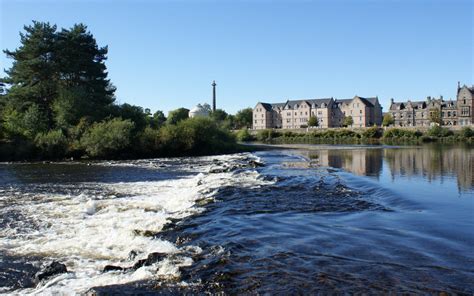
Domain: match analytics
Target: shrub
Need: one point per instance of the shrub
(401, 133)
(108, 138)
(196, 136)
(52, 144)
(266, 135)
(467, 132)
(149, 142)
(372, 133)
(244, 136)
(440, 132)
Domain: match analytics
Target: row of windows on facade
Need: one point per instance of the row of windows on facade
(304, 120)
(464, 112)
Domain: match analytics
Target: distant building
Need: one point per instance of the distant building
(418, 113)
(329, 112)
(200, 111)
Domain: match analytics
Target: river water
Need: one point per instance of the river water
(320, 219)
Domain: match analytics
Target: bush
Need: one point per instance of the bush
(149, 142)
(372, 133)
(266, 135)
(52, 144)
(108, 139)
(244, 136)
(440, 132)
(467, 132)
(196, 136)
(395, 133)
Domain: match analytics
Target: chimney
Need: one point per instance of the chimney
(391, 101)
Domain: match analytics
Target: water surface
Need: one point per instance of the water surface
(328, 219)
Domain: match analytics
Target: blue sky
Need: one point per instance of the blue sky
(165, 54)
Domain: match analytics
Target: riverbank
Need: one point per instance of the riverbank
(372, 135)
(117, 139)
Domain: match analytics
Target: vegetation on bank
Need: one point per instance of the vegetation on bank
(56, 102)
(368, 135)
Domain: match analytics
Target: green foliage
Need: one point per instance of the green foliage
(266, 135)
(26, 124)
(62, 72)
(243, 135)
(219, 115)
(438, 131)
(195, 136)
(467, 132)
(347, 121)
(313, 121)
(372, 133)
(177, 115)
(243, 118)
(149, 142)
(398, 133)
(109, 138)
(435, 116)
(52, 144)
(388, 120)
(158, 119)
(134, 113)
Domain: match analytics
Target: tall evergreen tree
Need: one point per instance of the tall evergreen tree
(83, 82)
(33, 76)
(63, 73)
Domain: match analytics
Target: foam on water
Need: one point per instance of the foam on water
(88, 231)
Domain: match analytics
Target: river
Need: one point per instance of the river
(318, 219)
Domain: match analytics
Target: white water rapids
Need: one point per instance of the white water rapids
(88, 231)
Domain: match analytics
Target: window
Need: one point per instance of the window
(449, 114)
(255, 121)
(296, 113)
(263, 115)
(465, 111)
(288, 114)
(320, 112)
(360, 111)
(306, 113)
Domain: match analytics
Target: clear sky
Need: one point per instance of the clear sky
(165, 54)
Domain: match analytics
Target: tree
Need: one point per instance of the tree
(388, 120)
(109, 138)
(219, 115)
(243, 118)
(313, 121)
(158, 119)
(435, 116)
(177, 115)
(347, 121)
(63, 73)
(33, 77)
(134, 113)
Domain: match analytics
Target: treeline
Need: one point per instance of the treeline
(368, 135)
(56, 101)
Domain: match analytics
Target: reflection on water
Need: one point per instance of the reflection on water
(431, 163)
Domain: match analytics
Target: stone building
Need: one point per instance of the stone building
(329, 112)
(364, 111)
(418, 113)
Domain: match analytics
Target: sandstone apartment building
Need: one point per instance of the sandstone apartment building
(329, 112)
(417, 113)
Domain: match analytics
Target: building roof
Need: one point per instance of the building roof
(267, 106)
(317, 102)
